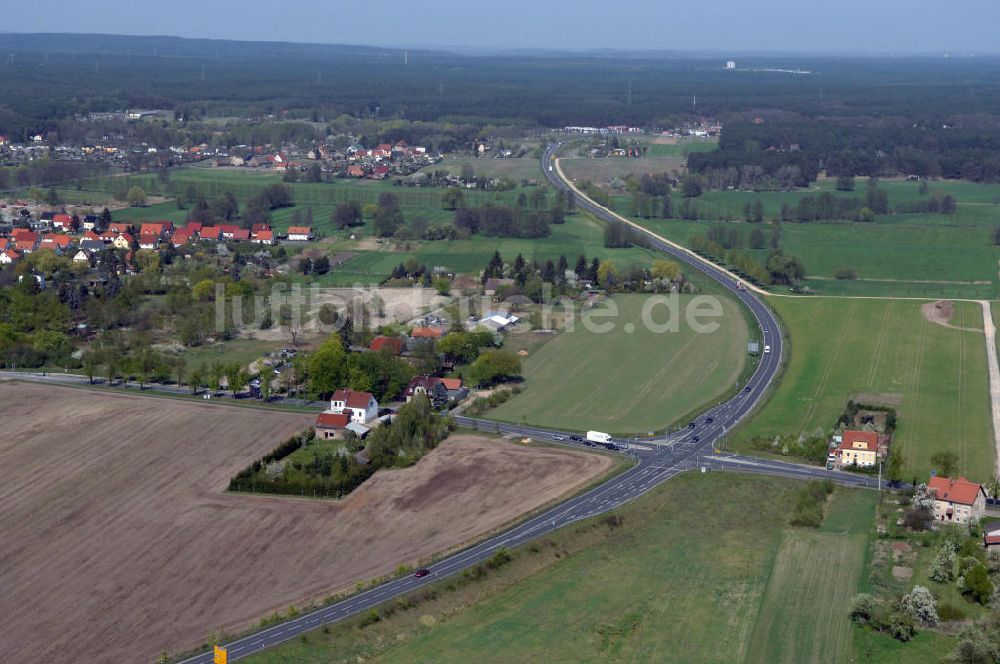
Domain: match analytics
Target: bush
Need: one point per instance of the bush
(901, 627)
(809, 504)
(942, 568)
(863, 608)
(845, 273)
(948, 612)
(921, 606)
(976, 583)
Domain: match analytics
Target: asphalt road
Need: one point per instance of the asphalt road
(656, 461)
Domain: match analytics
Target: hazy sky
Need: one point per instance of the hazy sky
(719, 25)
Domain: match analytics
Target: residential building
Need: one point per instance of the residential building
(858, 448)
(331, 425)
(393, 345)
(361, 406)
(299, 233)
(957, 500)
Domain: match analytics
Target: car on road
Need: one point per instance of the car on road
(696, 439)
(421, 573)
(578, 439)
(558, 437)
(829, 465)
(709, 420)
(746, 389)
(691, 426)
(767, 349)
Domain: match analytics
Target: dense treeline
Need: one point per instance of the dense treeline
(50, 77)
(781, 154)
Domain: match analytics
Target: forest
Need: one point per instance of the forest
(47, 78)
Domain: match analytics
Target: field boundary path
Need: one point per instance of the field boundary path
(990, 332)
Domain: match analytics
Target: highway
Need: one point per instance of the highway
(656, 459)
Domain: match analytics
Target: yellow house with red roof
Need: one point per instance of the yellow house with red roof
(858, 448)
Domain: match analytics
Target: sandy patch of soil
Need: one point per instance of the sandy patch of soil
(941, 313)
(119, 543)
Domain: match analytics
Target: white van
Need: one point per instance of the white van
(767, 349)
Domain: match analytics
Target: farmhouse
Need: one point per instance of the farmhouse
(299, 233)
(957, 500)
(361, 406)
(859, 448)
(331, 425)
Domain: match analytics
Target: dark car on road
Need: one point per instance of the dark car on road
(421, 573)
(696, 439)
(691, 426)
(578, 439)
(709, 420)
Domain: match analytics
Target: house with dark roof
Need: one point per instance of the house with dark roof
(439, 390)
(957, 500)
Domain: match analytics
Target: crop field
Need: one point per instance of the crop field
(886, 350)
(120, 543)
(629, 382)
(690, 571)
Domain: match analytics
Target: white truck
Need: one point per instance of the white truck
(599, 437)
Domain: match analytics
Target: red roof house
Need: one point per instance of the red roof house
(957, 500)
(392, 344)
(427, 333)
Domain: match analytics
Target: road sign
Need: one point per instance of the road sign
(221, 656)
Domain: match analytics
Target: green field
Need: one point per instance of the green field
(907, 255)
(802, 616)
(682, 148)
(629, 382)
(694, 573)
(842, 348)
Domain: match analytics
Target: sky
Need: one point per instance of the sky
(842, 26)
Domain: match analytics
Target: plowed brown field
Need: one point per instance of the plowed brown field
(117, 541)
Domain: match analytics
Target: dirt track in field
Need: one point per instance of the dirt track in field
(118, 542)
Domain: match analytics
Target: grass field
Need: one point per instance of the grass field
(601, 171)
(688, 576)
(681, 148)
(844, 348)
(905, 255)
(904, 259)
(803, 616)
(581, 234)
(629, 382)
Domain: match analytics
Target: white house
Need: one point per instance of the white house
(81, 256)
(361, 406)
(300, 233)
